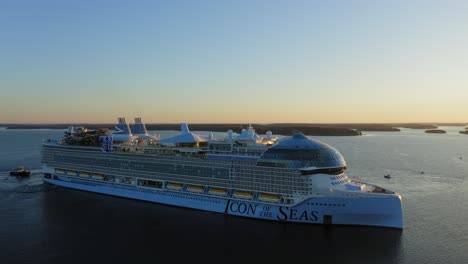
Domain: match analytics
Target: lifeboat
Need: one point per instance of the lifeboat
(174, 186)
(59, 171)
(195, 188)
(72, 173)
(243, 194)
(269, 197)
(217, 191)
(84, 174)
(97, 176)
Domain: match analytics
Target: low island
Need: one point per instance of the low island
(420, 126)
(436, 131)
(310, 129)
(277, 129)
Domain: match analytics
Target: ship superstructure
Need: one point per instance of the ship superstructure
(294, 179)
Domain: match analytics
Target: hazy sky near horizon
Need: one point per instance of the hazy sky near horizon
(233, 61)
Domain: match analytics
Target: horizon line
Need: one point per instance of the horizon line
(236, 123)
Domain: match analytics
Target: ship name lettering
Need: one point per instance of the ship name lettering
(286, 213)
(266, 214)
(243, 208)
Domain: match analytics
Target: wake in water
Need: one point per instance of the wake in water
(43, 187)
(31, 184)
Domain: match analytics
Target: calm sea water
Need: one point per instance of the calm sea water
(40, 224)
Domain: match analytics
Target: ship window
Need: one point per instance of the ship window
(332, 171)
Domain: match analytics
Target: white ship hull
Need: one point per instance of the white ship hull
(382, 211)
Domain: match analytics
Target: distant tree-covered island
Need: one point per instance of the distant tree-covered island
(420, 126)
(436, 131)
(277, 129)
(317, 129)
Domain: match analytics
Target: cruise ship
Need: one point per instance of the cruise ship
(291, 179)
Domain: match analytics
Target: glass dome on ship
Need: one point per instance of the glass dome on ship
(295, 179)
(299, 151)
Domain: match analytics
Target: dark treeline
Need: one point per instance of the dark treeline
(278, 129)
(435, 131)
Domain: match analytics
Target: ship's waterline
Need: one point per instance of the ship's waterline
(319, 210)
(295, 179)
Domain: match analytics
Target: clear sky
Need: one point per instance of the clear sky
(233, 61)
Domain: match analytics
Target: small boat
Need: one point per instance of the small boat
(174, 186)
(269, 197)
(195, 188)
(243, 194)
(217, 191)
(20, 171)
(97, 176)
(387, 176)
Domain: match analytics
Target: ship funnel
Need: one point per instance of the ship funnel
(184, 128)
(122, 127)
(138, 128)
